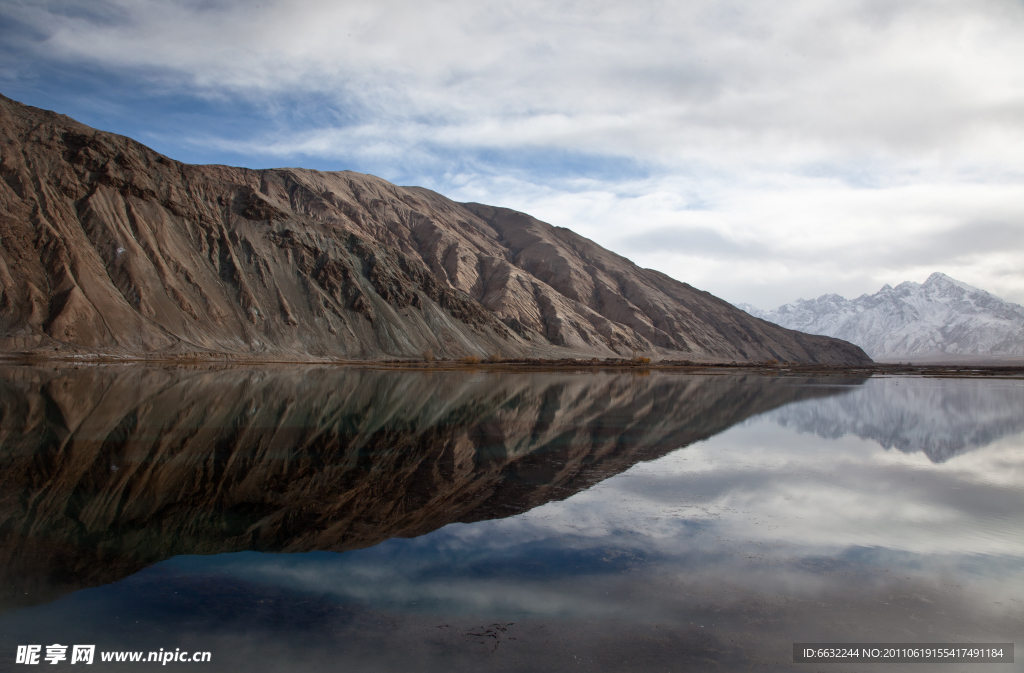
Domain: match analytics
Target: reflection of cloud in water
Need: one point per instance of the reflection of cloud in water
(760, 481)
(756, 510)
(940, 417)
(104, 470)
(725, 551)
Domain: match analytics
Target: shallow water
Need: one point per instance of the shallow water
(353, 519)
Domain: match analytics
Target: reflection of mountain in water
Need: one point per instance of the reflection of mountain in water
(104, 470)
(941, 417)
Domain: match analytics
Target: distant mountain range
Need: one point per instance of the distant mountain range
(110, 247)
(941, 317)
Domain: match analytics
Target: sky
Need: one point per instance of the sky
(761, 151)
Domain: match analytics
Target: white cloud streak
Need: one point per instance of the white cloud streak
(832, 147)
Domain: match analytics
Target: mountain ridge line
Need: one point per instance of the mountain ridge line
(112, 249)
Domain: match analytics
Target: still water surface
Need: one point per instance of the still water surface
(353, 519)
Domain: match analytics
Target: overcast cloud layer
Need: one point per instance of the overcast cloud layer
(763, 152)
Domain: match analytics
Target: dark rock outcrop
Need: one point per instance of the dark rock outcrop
(110, 247)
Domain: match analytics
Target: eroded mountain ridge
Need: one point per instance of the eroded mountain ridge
(111, 247)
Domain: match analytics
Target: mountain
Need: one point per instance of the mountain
(939, 318)
(107, 469)
(940, 419)
(110, 247)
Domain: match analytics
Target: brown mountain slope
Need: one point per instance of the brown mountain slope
(104, 470)
(108, 246)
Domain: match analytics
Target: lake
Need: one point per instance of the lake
(359, 519)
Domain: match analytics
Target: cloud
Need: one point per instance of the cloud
(797, 236)
(696, 242)
(669, 81)
(755, 506)
(832, 146)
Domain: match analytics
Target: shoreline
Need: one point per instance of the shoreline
(533, 365)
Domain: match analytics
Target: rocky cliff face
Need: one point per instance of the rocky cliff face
(939, 318)
(104, 470)
(111, 247)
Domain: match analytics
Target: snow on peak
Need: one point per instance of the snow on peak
(751, 309)
(939, 279)
(940, 316)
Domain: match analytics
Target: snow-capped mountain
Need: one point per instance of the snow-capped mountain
(941, 316)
